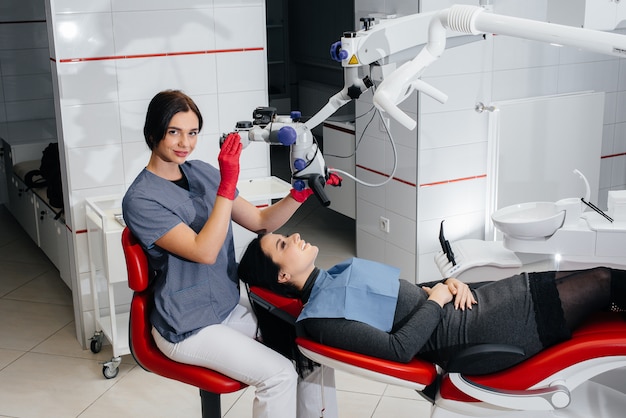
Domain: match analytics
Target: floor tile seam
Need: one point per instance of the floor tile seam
(34, 350)
(234, 404)
(9, 259)
(116, 380)
(52, 334)
(408, 398)
(361, 392)
(14, 360)
(26, 283)
(380, 399)
(13, 299)
(8, 244)
(96, 361)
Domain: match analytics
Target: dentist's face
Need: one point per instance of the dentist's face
(180, 138)
(292, 254)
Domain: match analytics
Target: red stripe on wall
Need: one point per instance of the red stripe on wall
(424, 184)
(614, 155)
(438, 183)
(164, 54)
(371, 170)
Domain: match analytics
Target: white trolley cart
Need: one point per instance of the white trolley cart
(109, 280)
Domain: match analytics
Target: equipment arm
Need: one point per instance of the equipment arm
(476, 20)
(383, 44)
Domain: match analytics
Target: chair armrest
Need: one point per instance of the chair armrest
(472, 360)
(416, 374)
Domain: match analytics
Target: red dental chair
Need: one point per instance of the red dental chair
(143, 347)
(556, 381)
(413, 374)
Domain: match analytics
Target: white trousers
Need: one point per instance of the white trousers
(231, 349)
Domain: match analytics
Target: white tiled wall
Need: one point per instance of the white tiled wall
(25, 81)
(444, 175)
(25, 88)
(110, 57)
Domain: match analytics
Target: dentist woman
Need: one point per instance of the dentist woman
(180, 210)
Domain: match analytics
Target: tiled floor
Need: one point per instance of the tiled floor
(44, 372)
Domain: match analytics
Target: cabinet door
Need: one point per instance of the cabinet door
(22, 206)
(53, 239)
(47, 231)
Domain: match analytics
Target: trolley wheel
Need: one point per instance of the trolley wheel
(96, 345)
(110, 372)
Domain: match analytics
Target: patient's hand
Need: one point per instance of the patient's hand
(463, 296)
(440, 293)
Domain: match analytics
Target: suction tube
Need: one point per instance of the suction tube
(587, 188)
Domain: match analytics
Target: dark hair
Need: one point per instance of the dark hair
(162, 108)
(257, 269)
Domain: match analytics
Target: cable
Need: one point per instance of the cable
(395, 158)
(358, 143)
(360, 137)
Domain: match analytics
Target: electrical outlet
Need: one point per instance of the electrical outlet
(383, 224)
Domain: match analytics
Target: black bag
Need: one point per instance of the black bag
(48, 175)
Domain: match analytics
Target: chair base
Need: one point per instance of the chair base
(211, 405)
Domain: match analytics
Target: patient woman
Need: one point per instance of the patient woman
(363, 306)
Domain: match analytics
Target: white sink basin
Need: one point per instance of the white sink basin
(529, 220)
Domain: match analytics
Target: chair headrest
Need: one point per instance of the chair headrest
(293, 306)
(136, 262)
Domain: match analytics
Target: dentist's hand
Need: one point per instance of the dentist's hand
(301, 196)
(228, 160)
(334, 179)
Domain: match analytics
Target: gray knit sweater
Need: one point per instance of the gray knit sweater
(506, 313)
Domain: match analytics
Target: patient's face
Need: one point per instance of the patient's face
(292, 254)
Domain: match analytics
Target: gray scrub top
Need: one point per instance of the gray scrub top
(188, 296)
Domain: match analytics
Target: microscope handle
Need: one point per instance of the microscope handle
(316, 183)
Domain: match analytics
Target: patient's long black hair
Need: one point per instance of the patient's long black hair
(277, 331)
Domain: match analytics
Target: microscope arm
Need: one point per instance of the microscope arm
(383, 44)
(352, 89)
(475, 20)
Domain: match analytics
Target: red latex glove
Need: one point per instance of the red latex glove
(302, 195)
(228, 160)
(334, 179)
